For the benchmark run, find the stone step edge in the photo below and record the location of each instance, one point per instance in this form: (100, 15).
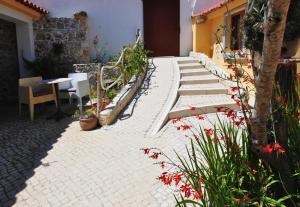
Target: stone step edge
(203, 91)
(185, 111)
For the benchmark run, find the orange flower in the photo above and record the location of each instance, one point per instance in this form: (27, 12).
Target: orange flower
(215, 140)
(209, 132)
(177, 178)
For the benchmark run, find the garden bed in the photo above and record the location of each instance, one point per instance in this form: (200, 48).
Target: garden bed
(111, 112)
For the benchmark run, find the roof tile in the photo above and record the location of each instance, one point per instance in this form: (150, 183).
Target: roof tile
(33, 6)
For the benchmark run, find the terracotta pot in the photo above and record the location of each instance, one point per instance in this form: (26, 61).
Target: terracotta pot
(88, 124)
(292, 47)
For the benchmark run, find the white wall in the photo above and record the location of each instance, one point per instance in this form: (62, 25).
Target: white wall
(24, 32)
(116, 21)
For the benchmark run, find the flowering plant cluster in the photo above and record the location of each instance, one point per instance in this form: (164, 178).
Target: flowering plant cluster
(218, 169)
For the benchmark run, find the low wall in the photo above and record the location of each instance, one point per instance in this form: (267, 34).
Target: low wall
(110, 114)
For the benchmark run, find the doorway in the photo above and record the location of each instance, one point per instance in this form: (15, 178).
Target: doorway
(9, 61)
(162, 27)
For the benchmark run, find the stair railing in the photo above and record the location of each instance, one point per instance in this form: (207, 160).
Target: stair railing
(101, 81)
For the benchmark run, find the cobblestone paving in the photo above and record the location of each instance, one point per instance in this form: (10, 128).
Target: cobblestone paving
(43, 163)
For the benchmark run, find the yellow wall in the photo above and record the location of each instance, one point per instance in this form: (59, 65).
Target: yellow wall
(204, 34)
(202, 38)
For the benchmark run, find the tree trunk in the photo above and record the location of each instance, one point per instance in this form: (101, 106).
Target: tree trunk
(275, 23)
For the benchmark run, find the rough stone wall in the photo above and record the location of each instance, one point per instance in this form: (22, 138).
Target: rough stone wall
(63, 37)
(9, 64)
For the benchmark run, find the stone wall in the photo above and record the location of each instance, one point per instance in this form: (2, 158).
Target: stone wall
(64, 38)
(9, 64)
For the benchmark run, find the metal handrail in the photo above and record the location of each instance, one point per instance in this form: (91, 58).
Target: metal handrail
(116, 65)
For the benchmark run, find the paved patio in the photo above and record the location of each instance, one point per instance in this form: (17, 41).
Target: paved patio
(44, 163)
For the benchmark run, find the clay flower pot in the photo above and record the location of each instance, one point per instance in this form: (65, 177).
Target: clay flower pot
(89, 123)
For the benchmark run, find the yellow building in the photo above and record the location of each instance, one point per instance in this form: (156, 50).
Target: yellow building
(218, 33)
(219, 29)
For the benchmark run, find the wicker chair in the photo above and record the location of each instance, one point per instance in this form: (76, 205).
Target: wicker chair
(31, 92)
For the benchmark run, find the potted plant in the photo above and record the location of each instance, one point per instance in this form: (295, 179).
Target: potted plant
(81, 16)
(88, 121)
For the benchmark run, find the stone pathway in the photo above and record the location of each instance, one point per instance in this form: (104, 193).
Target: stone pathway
(44, 163)
(48, 164)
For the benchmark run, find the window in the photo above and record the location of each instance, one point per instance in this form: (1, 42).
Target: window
(236, 41)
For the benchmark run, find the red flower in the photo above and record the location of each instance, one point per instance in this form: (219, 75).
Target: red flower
(215, 140)
(237, 123)
(200, 181)
(267, 149)
(198, 195)
(277, 147)
(155, 155)
(234, 88)
(254, 172)
(200, 117)
(162, 164)
(177, 178)
(192, 108)
(146, 151)
(281, 151)
(238, 200)
(174, 121)
(273, 148)
(209, 132)
(219, 109)
(233, 96)
(186, 189)
(178, 128)
(165, 178)
(186, 127)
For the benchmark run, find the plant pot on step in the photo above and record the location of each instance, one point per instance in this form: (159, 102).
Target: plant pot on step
(88, 123)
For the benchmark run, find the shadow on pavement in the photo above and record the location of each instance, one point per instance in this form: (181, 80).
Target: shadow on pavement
(23, 144)
(142, 90)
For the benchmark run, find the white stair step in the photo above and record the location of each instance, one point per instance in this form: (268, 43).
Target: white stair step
(204, 79)
(190, 66)
(203, 104)
(202, 89)
(194, 72)
(187, 61)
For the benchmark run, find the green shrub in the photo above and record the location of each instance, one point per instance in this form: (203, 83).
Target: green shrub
(135, 62)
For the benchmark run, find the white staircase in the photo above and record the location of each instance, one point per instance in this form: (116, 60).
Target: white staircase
(200, 91)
